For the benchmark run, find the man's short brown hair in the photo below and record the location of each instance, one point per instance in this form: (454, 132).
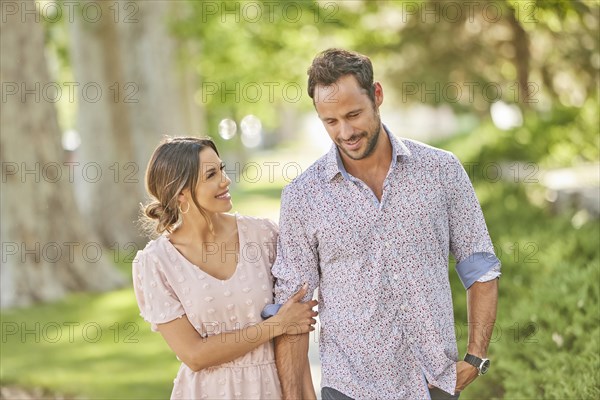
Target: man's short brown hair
(332, 64)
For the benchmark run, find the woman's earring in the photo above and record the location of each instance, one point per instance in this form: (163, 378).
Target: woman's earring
(186, 210)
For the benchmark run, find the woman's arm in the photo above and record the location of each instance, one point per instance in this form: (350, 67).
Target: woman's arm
(198, 353)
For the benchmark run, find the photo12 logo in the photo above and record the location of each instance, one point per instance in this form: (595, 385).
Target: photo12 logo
(467, 92)
(66, 252)
(67, 331)
(466, 11)
(53, 92)
(251, 92)
(69, 171)
(54, 11)
(269, 11)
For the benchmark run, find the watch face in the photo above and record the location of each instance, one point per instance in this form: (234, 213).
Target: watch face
(485, 365)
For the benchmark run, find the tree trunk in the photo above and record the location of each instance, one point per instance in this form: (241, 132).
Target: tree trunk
(110, 200)
(131, 55)
(520, 41)
(152, 58)
(46, 251)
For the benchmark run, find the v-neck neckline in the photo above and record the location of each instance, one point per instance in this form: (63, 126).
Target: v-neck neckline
(199, 268)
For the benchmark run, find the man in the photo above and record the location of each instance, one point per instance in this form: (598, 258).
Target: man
(371, 225)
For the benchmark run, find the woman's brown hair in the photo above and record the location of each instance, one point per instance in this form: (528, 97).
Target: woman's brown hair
(173, 167)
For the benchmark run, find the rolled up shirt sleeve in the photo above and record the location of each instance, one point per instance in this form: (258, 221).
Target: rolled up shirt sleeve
(478, 267)
(470, 241)
(297, 260)
(491, 274)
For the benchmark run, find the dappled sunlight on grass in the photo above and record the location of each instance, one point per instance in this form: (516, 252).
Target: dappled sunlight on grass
(94, 345)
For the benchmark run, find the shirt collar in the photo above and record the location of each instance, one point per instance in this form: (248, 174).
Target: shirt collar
(334, 164)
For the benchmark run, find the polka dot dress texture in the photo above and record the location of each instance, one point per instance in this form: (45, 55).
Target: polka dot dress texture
(167, 286)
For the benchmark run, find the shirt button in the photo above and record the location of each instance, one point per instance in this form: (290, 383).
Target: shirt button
(403, 307)
(396, 277)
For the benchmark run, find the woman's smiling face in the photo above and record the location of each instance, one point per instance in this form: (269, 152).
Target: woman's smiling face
(212, 188)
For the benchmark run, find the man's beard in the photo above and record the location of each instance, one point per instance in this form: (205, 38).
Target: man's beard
(371, 143)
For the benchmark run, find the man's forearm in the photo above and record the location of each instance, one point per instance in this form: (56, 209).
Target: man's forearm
(482, 300)
(291, 357)
(308, 389)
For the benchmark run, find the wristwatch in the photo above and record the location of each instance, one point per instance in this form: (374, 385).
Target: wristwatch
(482, 365)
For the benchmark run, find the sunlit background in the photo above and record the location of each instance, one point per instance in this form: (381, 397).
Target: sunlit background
(90, 87)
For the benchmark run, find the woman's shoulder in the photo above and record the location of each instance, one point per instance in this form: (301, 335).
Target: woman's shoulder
(257, 223)
(152, 252)
(253, 220)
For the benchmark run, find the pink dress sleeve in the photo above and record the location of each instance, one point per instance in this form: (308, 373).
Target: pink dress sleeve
(157, 301)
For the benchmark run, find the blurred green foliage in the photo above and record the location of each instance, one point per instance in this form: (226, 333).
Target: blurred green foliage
(251, 58)
(548, 49)
(546, 343)
(543, 56)
(565, 137)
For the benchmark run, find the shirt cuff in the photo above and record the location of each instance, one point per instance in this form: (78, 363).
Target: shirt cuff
(270, 310)
(475, 266)
(491, 274)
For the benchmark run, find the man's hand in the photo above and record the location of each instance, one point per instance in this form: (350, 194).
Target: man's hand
(465, 374)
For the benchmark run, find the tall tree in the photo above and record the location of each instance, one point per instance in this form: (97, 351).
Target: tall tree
(152, 61)
(253, 61)
(129, 53)
(103, 123)
(46, 249)
(533, 51)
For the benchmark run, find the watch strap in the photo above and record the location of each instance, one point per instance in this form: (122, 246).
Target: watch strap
(473, 360)
(482, 365)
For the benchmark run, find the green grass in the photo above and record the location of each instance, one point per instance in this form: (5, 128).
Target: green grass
(92, 345)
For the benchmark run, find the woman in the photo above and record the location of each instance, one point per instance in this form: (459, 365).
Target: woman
(203, 282)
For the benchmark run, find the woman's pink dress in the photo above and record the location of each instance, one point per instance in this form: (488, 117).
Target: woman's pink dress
(167, 286)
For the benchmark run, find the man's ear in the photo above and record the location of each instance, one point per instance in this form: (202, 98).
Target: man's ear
(378, 93)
